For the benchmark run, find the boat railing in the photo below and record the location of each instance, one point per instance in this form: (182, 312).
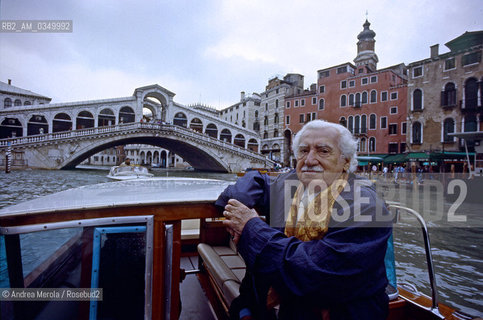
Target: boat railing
(429, 258)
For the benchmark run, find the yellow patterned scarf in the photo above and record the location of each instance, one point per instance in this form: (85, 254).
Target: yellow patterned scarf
(313, 223)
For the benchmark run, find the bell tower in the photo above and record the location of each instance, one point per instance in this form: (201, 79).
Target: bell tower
(366, 55)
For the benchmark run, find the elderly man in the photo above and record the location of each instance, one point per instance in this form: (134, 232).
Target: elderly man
(322, 256)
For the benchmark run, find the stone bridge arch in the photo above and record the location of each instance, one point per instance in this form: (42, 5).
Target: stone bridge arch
(205, 159)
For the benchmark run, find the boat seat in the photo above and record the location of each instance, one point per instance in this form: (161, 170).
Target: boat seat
(225, 266)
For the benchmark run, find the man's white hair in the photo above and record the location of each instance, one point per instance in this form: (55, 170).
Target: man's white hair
(347, 142)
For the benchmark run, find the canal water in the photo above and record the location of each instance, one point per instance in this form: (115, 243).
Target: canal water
(457, 252)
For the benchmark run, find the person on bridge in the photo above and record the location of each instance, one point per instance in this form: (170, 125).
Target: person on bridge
(126, 163)
(322, 254)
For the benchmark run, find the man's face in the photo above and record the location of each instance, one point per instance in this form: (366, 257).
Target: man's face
(319, 156)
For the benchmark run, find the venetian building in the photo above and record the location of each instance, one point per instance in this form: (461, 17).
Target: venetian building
(445, 96)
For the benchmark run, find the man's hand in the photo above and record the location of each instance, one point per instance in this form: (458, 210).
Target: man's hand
(237, 215)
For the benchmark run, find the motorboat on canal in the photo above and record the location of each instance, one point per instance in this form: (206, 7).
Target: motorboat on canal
(129, 173)
(142, 242)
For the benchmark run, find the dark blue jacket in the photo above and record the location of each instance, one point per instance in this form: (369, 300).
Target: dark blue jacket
(343, 272)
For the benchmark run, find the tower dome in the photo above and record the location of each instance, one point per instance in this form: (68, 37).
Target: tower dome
(366, 34)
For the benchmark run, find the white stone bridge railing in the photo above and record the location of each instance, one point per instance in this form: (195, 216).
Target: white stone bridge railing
(127, 128)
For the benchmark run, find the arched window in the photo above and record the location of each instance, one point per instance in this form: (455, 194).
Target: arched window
(372, 121)
(275, 120)
(7, 102)
(343, 100)
(343, 122)
(321, 104)
(351, 124)
(275, 133)
(362, 145)
(37, 125)
(351, 99)
(357, 123)
(106, 118)
(448, 127)
(252, 145)
(17, 103)
(471, 93)
(196, 125)
(84, 119)
(417, 133)
(372, 144)
(373, 96)
(225, 135)
(27, 103)
(417, 100)
(212, 130)
(239, 140)
(363, 123)
(61, 122)
(358, 99)
(256, 126)
(265, 135)
(276, 103)
(448, 96)
(364, 97)
(10, 128)
(265, 121)
(180, 120)
(126, 115)
(256, 113)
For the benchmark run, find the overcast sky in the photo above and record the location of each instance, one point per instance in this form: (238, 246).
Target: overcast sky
(209, 51)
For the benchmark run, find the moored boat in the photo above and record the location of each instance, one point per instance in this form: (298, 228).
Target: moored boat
(129, 173)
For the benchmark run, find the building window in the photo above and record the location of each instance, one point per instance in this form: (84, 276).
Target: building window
(362, 145)
(265, 135)
(321, 104)
(343, 122)
(384, 96)
(314, 115)
(372, 122)
(448, 127)
(276, 103)
(7, 102)
(302, 102)
(322, 89)
(266, 106)
(324, 74)
(301, 119)
(393, 110)
(357, 124)
(277, 91)
(393, 128)
(373, 96)
(417, 133)
(471, 94)
(352, 84)
(358, 100)
(471, 58)
(392, 147)
(363, 123)
(341, 69)
(364, 97)
(374, 79)
(351, 99)
(418, 72)
(470, 124)
(265, 121)
(308, 119)
(417, 100)
(287, 120)
(364, 81)
(296, 103)
(27, 103)
(343, 84)
(288, 105)
(383, 122)
(448, 96)
(314, 100)
(404, 128)
(275, 119)
(449, 64)
(403, 147)
(351, 124)
(275, 133)
(393, 95)
(343, 100)
(17, 103)
(256, 113)
(372, 144)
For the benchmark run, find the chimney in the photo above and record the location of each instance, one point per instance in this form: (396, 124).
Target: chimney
(242, 96)
(9, 82)
(434, 51)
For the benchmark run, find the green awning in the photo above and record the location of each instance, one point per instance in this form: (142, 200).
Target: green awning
(449, 155)
(418, 156)
(395, 158)
(363, 163)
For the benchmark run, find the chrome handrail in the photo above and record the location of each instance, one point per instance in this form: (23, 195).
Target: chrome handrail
(429, 258)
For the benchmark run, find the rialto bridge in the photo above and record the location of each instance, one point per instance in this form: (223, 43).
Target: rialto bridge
(62, 135)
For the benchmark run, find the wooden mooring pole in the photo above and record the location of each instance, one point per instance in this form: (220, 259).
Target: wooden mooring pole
(8, 158)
